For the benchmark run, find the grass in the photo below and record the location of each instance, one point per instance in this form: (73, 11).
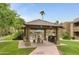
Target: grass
(72, 48)
(11, 48)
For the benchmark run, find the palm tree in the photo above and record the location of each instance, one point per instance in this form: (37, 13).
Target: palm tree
(42, 14)
(57, 22)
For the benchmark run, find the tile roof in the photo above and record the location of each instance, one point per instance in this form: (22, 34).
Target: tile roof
(41, 22)
(76, 20)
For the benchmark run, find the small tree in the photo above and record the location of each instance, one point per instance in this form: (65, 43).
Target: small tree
(10, 21)
(66, 36)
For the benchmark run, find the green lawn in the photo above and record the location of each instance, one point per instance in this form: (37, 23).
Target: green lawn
(72, 48)
(11, 48)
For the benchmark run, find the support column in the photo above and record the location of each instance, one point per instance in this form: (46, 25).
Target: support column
(24, 34)
(71, 29)
(27, 34)
(57, 38)
(45, 34)
(27, 43)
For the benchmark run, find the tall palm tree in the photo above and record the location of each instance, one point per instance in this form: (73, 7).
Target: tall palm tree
(57, 22)
(42, 14)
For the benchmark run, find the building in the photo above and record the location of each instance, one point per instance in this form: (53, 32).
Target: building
(72, 28)
(75, 27)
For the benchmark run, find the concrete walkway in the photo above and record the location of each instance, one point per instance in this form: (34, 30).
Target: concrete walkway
(46, 48)
(22, 45)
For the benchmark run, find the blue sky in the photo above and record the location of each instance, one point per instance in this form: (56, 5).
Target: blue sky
(62, 12)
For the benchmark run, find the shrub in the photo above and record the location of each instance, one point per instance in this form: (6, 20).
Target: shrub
(14, 36)
(66, 35)
(18, 36)
(8, 37)
(73, 38)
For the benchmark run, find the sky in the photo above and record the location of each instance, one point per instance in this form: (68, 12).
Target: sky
(53, 11)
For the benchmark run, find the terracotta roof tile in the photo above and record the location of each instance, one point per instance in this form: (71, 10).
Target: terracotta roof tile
(41, 22)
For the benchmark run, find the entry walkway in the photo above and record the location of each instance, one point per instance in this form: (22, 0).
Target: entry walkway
(46, 48)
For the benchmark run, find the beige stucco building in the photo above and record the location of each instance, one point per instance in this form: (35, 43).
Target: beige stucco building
(72, 28)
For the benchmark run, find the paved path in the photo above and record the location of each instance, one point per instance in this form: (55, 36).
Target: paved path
(46, 48)
(22, 45)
